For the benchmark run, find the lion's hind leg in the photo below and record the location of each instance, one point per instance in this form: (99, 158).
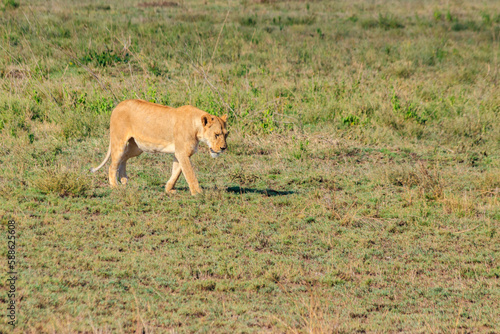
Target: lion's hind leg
(131, 150)
(122, 172)
(117, 155)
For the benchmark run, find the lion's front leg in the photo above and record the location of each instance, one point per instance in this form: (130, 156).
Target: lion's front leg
(187, 170)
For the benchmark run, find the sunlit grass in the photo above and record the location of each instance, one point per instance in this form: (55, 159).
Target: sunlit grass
(360, 190)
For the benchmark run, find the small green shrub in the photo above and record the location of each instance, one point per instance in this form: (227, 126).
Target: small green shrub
(385, 22)
(486, 19)
(11, 3)
(301, 152)
(100, 106)
(411, 113)
(449, 17)
(396, 104)
(350, 120)
(240, 70)
(14, 39)
(438, 15)
(158, 70)
(248, 21)
(353, 18)
(266, 122)
(389, 22)
(64, 184)
(294, 20)
(469, 25)
(105, 58)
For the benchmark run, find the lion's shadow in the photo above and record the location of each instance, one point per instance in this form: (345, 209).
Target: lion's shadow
(267, 192)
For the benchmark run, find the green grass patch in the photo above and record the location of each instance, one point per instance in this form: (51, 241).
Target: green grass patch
(359, 192)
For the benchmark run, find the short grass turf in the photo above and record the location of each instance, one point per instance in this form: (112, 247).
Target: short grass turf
(359, 193)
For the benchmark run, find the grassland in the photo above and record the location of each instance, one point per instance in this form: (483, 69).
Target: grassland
(360, 192)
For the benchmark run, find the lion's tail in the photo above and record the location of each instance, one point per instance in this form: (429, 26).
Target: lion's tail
(93, 170)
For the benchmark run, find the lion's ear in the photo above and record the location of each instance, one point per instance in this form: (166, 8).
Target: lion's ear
(224, 118)
(205, 120)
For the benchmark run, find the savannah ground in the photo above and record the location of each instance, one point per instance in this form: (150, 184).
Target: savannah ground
(359, 193)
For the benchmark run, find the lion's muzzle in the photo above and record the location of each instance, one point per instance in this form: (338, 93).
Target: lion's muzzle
(215, 154)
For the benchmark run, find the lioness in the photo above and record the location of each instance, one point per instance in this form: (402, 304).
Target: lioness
(138, 126)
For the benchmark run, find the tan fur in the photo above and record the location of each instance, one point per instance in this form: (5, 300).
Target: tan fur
(138, 126)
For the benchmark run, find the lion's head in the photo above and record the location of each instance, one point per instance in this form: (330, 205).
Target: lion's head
(215, 133)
